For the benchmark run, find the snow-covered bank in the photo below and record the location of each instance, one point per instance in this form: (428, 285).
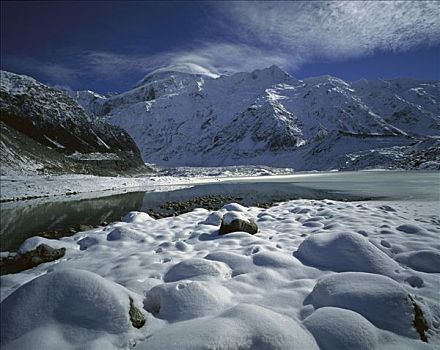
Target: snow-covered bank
(318, 274)
(28, 187)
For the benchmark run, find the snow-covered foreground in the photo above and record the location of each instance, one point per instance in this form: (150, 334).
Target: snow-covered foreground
(318, 274)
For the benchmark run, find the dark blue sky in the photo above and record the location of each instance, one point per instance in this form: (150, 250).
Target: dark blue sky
(109, 46)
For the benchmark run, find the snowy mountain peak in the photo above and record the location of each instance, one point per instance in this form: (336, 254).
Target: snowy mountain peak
(326, 79)
(273, 72)
(269, 117)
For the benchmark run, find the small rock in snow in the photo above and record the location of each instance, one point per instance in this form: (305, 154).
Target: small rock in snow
(408, 228)
(43, 253)
(415, 281)
(137, 319)
(237, 222)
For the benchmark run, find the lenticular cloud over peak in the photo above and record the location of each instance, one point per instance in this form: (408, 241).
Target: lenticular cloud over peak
(185, 67)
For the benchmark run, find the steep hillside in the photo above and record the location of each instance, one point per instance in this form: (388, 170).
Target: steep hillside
(46, 131)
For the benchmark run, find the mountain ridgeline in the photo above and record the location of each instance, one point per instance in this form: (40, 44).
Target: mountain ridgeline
(267, 117)
(43, 130)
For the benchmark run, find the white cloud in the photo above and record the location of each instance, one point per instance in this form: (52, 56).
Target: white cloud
(290, 34)
(258, 34)
(211, 58)
(57, 72)
(305, 31)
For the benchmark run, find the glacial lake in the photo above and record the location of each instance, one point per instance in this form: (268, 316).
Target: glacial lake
(24, 219)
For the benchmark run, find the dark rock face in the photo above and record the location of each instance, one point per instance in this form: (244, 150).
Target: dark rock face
(419, 321)
(136, 317)
(50, 129)
(42, 254)
(239, 225)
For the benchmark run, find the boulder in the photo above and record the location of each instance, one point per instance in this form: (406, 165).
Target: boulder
(137, 318)
(237, 222)
(43, 253)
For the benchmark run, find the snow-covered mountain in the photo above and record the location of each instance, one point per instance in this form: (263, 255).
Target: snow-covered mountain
(44, 130)
(269, 117)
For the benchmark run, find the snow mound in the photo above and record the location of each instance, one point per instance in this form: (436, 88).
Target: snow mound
(87, 242)
(234, 215)
(44, 313)
(238, 263)
(335, 328)
(122, 233)
(422, 260)
(275, 260)
(342, 252)
(186, 300)
(214, 219)
(379, 299)
(241, 327)
(136, 217)
(197, 269)
(234, 207)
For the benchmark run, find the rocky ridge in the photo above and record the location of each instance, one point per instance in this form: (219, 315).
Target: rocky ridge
(43, 130)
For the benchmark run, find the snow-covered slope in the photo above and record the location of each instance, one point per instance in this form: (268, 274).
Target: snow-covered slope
(269, 117)
(409, 104)
(44, 130)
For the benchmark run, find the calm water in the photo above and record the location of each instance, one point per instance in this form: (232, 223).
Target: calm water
(25, 219)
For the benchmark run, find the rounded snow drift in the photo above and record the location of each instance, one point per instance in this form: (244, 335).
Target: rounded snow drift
(78, 302)
(137, 217)
(186, 300)
(197, 269)
(234, 207)
(335, 328)
(275, 260)
(422, 260)
(214, 219)
(343, 252)
(238, 263)
(241, 327)
(87, 242)
(379, 299)
(123, 234)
